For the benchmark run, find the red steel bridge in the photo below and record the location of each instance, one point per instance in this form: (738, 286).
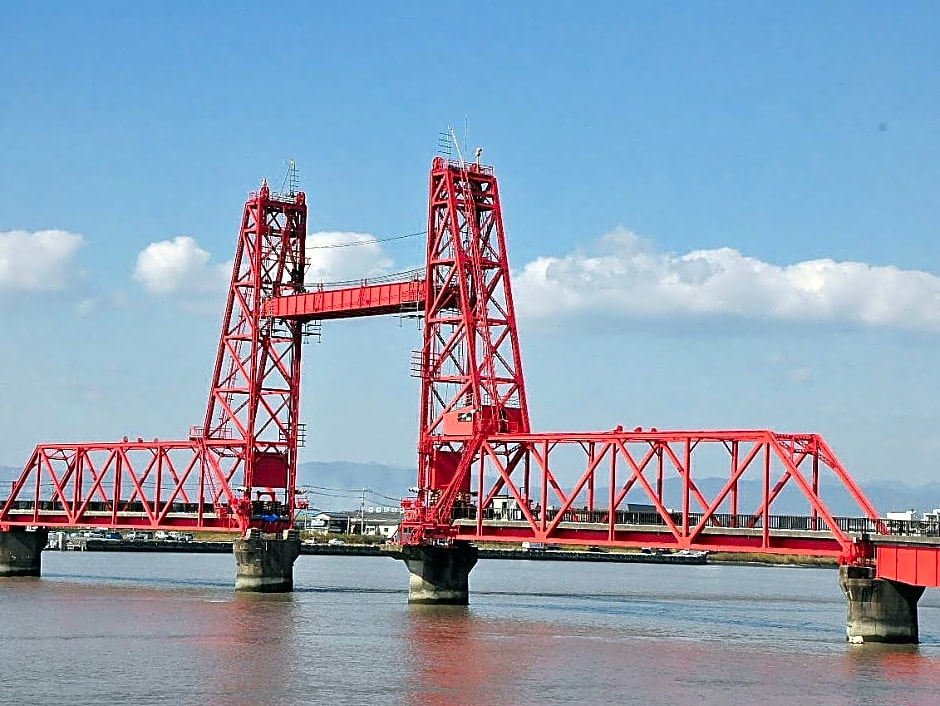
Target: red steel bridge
(483, 473)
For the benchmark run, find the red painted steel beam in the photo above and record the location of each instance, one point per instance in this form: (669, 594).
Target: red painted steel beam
(350, 302)
(549, 481)
(783, 543)
(153, 484)
(914, 564)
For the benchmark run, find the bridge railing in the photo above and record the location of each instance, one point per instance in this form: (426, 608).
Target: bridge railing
(802, 523)
(128, 508)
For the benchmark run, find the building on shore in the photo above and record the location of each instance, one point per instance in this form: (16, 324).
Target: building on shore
(372, 521)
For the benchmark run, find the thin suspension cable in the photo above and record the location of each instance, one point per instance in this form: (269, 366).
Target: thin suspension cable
(355, 243)
(403, 276)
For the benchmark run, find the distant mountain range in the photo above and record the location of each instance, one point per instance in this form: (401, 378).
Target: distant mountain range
(338, 485)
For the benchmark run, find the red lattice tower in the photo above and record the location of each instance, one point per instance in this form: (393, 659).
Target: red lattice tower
(255, 393)
(470, 364)
(236, 471)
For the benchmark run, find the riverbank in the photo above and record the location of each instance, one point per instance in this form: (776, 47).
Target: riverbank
(758, 559)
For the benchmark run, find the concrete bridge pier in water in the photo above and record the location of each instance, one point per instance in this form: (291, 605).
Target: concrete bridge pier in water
(439, 574)
(879, 610)
(265, 562)
(21, 551)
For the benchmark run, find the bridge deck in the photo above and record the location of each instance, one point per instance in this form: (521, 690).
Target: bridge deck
(350, 302)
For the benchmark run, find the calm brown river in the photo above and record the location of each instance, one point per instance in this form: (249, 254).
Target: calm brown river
(169, 629)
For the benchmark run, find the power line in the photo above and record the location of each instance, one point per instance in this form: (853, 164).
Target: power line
(355, 243)
(403, 276)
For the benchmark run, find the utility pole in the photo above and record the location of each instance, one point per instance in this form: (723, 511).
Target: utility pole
(362, 510)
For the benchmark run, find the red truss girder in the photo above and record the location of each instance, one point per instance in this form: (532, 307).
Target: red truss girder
(532, 487)
(350, 302)
(913, 563)
(142, 484)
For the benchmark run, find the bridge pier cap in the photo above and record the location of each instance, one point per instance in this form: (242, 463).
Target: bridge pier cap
(439, 574)
(21, 551)
(265, 563)
(879, 610)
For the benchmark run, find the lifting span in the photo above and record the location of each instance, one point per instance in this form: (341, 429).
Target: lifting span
(482, 473)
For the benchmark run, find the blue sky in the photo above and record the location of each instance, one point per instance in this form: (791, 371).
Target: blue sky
(720, 215)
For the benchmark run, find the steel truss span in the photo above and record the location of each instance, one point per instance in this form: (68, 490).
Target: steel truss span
(153, 485)
(644, 489)
(238, 469)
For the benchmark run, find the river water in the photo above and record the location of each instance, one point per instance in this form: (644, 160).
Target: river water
(103, 628)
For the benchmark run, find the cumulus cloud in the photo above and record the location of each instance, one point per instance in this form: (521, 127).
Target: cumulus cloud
(336, 255)
(628, 278)
(37, 261)
(179, 265)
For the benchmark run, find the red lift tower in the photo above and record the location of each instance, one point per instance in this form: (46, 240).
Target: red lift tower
(470, 365)
(237, 471)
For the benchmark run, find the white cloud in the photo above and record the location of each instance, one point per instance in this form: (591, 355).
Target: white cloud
(37, 261)
(798, 375)
(630, 279)
(336, 255)
(179, 265)
(86, 306)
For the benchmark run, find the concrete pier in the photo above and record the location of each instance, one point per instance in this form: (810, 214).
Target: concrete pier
(879, 610)
(21, 551)
(265, 563)
(439, 574)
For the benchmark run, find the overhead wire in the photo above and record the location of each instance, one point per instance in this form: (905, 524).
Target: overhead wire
(373, 241)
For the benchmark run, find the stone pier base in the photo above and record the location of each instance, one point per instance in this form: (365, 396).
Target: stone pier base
(21, 551)
(265, 563)
(879, 610)
(439, 574)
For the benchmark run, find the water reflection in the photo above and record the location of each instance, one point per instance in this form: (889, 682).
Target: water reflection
(256, 653)
(176, 632)
(456, 657)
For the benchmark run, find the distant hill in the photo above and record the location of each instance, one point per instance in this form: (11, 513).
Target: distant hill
(885, 496)
(332, 484)
(337, 485)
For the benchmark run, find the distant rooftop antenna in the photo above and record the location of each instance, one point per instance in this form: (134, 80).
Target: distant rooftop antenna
(291, 183)
(466, 133)
(444, 145)
(448, 142)
(453, 137)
